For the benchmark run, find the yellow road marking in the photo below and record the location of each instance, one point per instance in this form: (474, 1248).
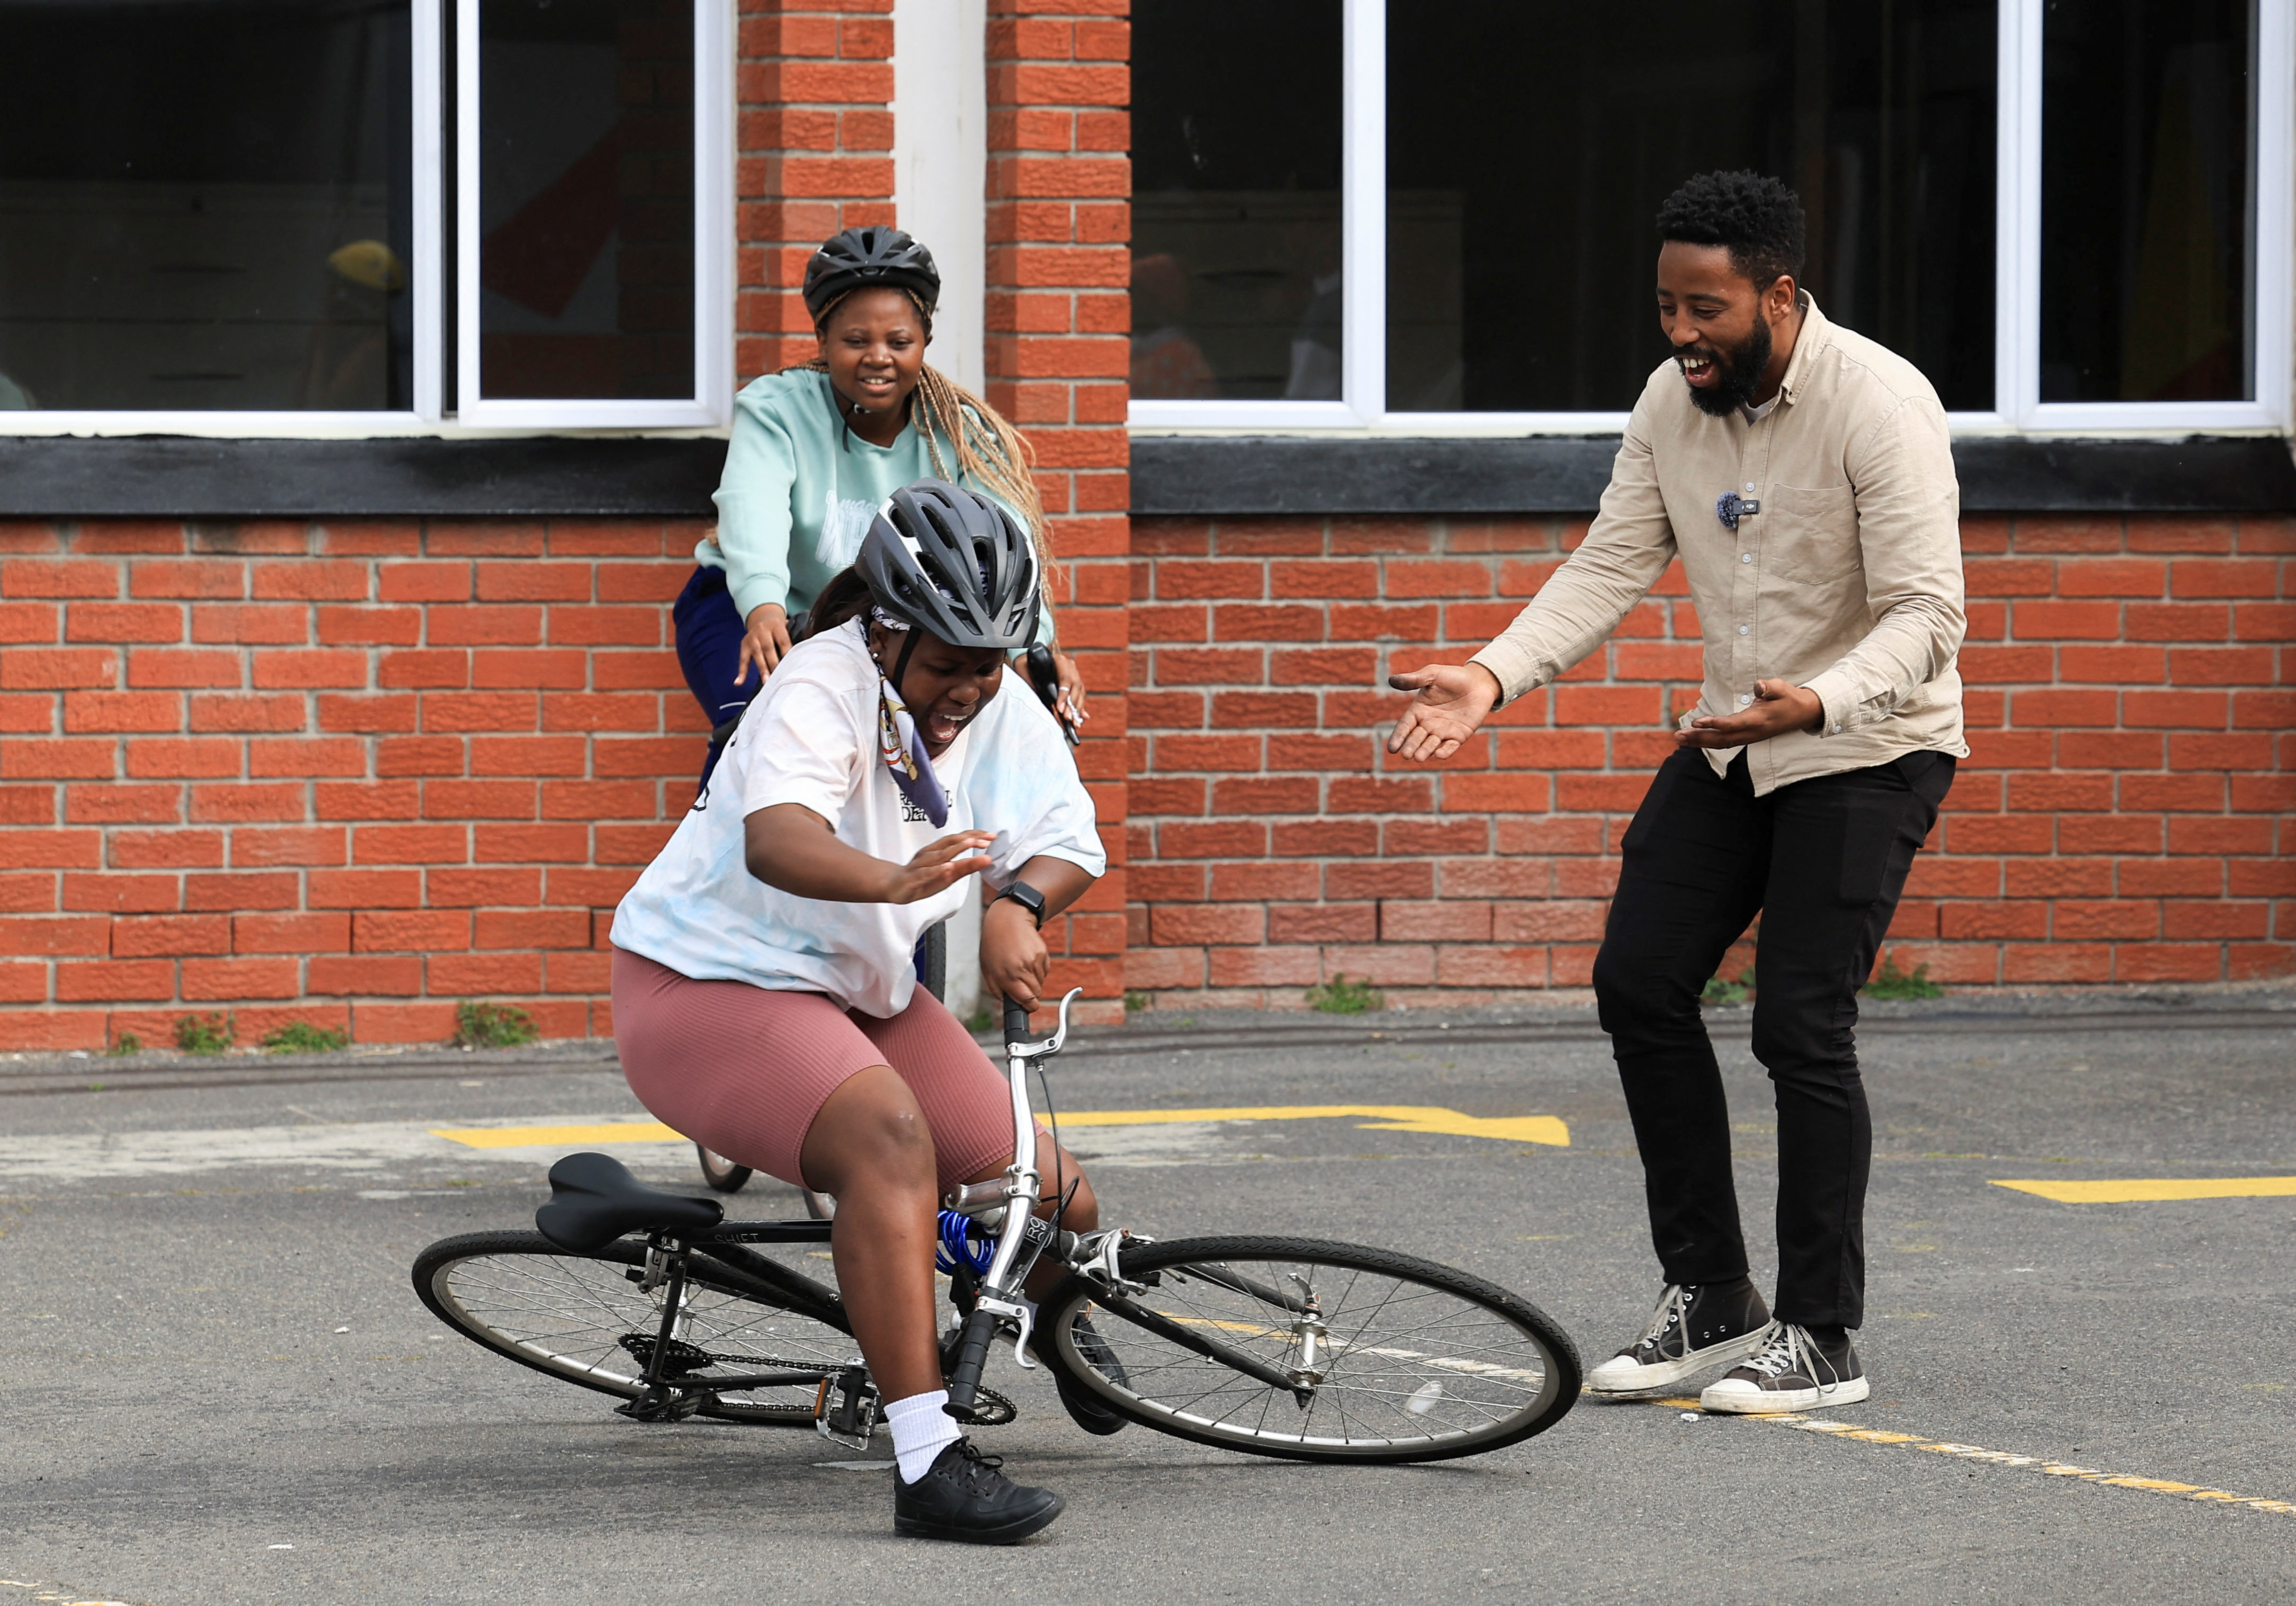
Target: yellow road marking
(1387, 1118)
(2132, 1190)
(2052, 1469)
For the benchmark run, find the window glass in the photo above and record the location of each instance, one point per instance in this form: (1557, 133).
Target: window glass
(1236, 205)
(1520, 245)
(2147, 201)
(586, 199)
(205, 204)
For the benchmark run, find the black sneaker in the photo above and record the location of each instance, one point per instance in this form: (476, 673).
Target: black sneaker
(1086, 1409)
(1694, 1329)
(963, 1496)
(1793, 1370)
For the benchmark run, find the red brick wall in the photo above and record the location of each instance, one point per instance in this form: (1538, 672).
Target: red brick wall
(1058, 315)
(343, 773)
(2124, 815)
(814, 84)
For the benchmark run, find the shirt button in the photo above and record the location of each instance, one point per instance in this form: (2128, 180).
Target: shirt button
(1745, 697)
(1745, 557)
(1745, 630)
(1750, 487)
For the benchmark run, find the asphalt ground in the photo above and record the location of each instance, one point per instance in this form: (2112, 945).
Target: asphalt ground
(213, 1355)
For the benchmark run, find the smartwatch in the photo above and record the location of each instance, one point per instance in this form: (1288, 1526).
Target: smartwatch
(1028, 897)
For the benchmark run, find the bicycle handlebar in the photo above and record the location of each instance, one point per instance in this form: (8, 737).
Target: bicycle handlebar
(1045, 677)
(1016, 1022)
(971, 1355)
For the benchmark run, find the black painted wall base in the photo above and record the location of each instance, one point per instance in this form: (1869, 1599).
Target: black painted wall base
(1561, 474)
(180, 476)
(152, 476)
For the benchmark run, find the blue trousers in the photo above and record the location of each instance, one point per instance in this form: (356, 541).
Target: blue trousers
(708, 629)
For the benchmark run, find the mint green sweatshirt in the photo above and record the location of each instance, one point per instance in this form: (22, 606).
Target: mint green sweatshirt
(800, 490)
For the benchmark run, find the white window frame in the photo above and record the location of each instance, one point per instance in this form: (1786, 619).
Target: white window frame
(432, 279)
(2017, 300)
(712, 400)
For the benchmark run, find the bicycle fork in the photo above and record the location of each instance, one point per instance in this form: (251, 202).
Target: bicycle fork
(1020, 1237)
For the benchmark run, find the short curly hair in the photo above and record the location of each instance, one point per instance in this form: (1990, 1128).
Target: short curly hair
(1755, 216)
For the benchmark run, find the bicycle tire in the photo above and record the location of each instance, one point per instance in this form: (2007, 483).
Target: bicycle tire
(581, 1345)
(722, 1174)
(1463, 1366)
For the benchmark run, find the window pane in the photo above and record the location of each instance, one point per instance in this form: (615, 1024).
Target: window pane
(205, 204)
(2147, 218)
(586, 198)
(1521, 249)
(1236, 205)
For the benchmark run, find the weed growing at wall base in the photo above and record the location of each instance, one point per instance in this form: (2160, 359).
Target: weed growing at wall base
(301, 1037)
(492, 1026)
(1340, 996)
(209, 1034)
(1889, 982)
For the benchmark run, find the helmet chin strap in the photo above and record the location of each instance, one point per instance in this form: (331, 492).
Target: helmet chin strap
(901, 662)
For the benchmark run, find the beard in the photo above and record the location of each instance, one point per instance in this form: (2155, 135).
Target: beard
(1739, 372)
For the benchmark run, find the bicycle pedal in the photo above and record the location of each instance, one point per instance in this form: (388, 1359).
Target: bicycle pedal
(845, 1409)
(673, 1407)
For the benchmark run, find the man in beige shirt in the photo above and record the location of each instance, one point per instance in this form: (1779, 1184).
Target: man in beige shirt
(1802, 473)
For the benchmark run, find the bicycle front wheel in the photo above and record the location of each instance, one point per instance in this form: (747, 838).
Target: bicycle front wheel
(1313, 1351)
(585, 1319)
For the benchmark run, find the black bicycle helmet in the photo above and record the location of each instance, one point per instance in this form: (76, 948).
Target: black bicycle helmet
(951, 562)
(860, 258)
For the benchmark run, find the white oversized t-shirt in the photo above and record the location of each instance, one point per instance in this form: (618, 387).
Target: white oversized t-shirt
(810, 738)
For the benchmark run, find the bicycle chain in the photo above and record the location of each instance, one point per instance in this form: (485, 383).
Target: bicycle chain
(990, 1408)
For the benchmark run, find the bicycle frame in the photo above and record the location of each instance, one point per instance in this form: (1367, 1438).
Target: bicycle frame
(1005, 1209)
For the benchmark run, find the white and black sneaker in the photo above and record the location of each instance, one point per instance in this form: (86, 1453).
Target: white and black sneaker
(1793, 1371)
(1694, 1329)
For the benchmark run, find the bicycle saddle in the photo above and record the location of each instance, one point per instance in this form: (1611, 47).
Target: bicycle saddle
(594, 1200)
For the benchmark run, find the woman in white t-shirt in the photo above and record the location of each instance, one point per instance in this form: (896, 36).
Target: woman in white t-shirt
(764, 1003)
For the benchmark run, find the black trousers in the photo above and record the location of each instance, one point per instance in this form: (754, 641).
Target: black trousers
(1823, 861)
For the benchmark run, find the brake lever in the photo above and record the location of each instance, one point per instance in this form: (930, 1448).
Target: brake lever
(1051, 1045)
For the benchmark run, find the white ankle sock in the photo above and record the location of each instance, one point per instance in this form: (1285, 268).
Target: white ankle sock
(922, 1431)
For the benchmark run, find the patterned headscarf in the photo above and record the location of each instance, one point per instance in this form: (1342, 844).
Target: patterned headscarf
(902, 745)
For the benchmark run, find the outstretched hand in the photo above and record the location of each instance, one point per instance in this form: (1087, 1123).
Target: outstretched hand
(938, 866)
(1778, 706)
(1453, 702)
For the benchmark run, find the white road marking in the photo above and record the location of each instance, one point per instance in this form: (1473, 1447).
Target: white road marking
(354, 1145)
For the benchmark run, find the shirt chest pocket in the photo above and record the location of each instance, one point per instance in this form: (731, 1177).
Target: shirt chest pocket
(1809, 535)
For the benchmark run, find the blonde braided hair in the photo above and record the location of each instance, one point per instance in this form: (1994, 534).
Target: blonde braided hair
(987, 449)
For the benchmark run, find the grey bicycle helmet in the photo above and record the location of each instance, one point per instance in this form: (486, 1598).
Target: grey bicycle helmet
(860, 258)
(952, 563)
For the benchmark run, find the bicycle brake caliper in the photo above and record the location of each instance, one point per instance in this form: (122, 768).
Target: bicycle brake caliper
(1101, 1263)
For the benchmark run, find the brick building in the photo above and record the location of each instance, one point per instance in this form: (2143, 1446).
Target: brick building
(351, 451)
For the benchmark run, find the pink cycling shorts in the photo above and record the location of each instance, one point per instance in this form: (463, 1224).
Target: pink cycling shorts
(743, 1071)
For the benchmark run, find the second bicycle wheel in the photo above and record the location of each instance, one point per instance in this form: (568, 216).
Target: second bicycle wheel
(1385, 1357)
(584, 1318)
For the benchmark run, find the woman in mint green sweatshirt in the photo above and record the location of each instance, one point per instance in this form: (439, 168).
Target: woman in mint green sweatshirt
(815, 451)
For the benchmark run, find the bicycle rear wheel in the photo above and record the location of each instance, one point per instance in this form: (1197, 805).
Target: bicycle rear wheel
(1399, 1359)
(569, 1316)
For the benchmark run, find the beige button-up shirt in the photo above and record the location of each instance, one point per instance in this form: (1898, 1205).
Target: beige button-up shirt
(1847, 581)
